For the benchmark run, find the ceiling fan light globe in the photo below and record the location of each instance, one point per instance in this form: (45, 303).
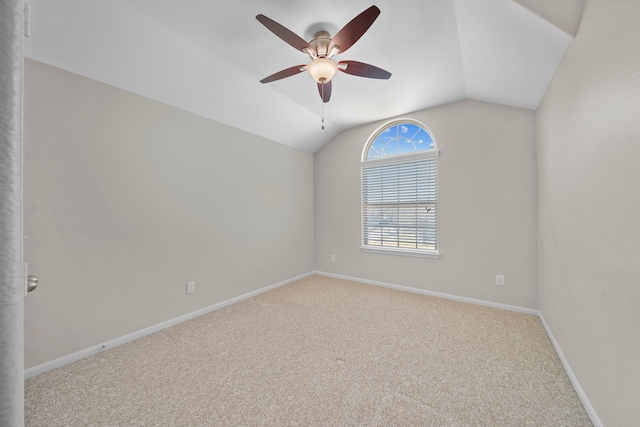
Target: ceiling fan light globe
(322, 69)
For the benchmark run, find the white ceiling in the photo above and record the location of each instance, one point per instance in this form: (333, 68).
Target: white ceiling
(207, 57)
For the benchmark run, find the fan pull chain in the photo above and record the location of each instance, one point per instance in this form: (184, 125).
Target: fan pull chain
(322, 100)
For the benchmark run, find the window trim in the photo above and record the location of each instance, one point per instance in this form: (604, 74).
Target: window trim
(400, 251)
(396, 159)
(402, 158)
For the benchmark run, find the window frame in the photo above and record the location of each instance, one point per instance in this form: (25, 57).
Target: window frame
(398, 159)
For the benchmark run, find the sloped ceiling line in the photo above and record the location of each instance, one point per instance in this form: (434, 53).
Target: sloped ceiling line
(565, 15)
(208, 57)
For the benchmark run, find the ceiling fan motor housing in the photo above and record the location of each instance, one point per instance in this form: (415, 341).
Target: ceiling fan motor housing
(320, 44)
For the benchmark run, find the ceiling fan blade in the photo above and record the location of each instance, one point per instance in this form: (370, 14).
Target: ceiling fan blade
(325, 91)
(284, 33)
(350, 33)
(291, 71)
(363, 70)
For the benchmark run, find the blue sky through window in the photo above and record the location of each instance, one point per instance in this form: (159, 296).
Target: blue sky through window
(401, 138)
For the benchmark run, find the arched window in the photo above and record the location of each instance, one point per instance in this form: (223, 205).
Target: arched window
(400, 190)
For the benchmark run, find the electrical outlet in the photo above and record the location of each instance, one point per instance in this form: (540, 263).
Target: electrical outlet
(191, 287)
(499, 280)
(333, 258)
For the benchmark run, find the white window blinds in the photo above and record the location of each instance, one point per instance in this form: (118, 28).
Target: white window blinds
(400, 204)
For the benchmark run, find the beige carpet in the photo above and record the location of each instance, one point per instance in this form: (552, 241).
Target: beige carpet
(321, 352)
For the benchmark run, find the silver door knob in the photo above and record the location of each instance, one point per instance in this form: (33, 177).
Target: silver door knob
(32, 282)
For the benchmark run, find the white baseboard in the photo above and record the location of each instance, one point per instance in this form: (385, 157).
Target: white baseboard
(434, 294)
(574, 381)
(47, 366)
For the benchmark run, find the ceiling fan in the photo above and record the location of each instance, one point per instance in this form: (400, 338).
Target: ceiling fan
(322, 51)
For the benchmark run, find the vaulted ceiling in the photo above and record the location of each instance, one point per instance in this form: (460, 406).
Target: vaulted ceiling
(208, 57)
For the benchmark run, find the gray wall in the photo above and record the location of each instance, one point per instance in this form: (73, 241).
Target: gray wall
(127, 199)
(487, 206)
(588, 181)
(11, 262)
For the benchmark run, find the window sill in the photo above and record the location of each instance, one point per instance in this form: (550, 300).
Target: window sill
(403, 252)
